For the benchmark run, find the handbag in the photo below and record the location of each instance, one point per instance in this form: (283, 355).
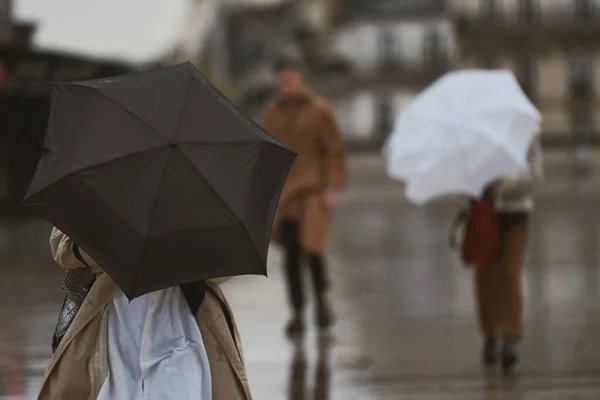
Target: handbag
(481, 241)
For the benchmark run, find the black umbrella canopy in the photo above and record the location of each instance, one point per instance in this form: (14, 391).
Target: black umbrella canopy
(159, 178)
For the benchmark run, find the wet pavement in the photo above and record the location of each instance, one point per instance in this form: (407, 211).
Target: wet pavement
(406, 327)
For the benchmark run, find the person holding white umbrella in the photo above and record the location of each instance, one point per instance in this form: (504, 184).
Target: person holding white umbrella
(498, 285)
(474, 133)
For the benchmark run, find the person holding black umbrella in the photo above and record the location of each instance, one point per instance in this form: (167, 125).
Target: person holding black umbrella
(157, 185)
(305, 122)
(85, 362)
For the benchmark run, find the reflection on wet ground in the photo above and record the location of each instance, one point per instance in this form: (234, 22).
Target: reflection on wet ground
(406, 327)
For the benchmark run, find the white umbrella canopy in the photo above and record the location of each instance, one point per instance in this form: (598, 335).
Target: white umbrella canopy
(467, 129)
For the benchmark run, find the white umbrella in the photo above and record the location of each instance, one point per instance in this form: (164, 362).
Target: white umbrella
(464, 131)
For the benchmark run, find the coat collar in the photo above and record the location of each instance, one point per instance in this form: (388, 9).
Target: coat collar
(98, 298)
(296, 99)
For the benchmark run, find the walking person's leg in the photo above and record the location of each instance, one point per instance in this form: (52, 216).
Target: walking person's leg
(510, 317)
(318, 268)
(487, 309)
(293, 276)
(314, 232)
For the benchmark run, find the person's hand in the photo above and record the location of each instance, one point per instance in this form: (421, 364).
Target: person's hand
(330, 198)
(491, 188)
(459, 221)
(452, 241)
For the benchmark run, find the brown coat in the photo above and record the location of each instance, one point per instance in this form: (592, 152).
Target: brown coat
(79, 366)
(306, 124)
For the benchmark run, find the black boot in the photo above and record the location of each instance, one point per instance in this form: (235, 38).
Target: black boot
(325, 319)
(295, 328)
(510, 356)
(490, 351)
(324, 315)
(293, 273)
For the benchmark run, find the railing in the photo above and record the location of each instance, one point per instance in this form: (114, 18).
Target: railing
(475, 33)
(350, 10)
(385, 79)
(28, 69)
(525, 11)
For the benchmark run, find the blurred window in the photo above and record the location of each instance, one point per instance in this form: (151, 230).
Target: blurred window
(386, 50)
(525, 69)
(582, 126)
(583, 9)
(5, 10)
(581, 75)
(385, 117)
(526, 10)
(3, 74)
(488, 62)
(6, 32)
(490, 9)
(432, 49)
(399, 7)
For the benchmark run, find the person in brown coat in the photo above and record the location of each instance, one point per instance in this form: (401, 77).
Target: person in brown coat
(304, 122)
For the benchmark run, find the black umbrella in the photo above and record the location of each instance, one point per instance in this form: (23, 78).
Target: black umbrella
(159, 178)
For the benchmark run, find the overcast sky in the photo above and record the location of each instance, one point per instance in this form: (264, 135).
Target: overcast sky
(135, 30)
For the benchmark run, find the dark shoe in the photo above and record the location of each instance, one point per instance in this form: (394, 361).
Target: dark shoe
(510, 357)
(295, 328)
(490, 351)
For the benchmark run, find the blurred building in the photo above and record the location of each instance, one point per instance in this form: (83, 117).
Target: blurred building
(393, 49)
(367, 57)
(252, 36)
(25, 76)
(234, 41)
(551, 45)
(202, 19)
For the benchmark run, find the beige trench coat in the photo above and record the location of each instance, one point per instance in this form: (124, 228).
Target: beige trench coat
(79, 365)
(306, 124)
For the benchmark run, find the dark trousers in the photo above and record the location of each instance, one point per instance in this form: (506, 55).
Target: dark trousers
(293, 268)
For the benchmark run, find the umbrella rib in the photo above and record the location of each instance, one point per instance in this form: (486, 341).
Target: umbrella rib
(232, 143)
(103, 163)
(139, 266)
(223, 202)
(122, 108)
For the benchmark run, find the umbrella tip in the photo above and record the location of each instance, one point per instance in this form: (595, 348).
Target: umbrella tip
(173, 144)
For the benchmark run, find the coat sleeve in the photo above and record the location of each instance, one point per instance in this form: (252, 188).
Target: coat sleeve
(238, 342)
(62, 252)
(332, 148)
(524, 182)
